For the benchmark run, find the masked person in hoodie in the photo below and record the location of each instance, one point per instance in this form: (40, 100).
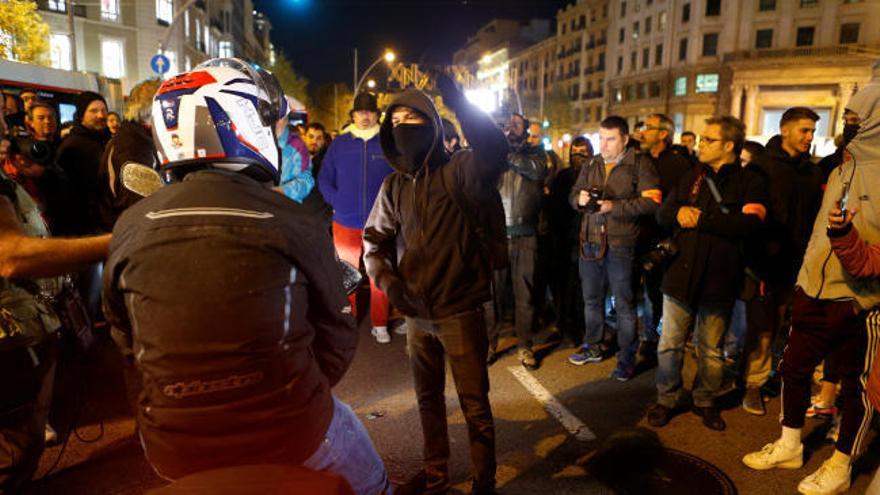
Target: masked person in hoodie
(522, 190)
(833, 311)
(351, 173)
(774, 256)
(423, 246)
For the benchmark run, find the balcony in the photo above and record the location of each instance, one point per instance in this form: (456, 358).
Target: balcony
(795, 54)
(78, 10)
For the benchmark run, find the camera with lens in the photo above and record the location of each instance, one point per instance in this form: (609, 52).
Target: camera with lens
(662, 253)
(592, 205)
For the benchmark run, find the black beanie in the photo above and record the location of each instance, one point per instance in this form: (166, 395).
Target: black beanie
(82, 101)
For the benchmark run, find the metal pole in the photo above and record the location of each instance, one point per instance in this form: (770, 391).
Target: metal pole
(335, 107)
(354, 81)
(359, 82)
(72, 28)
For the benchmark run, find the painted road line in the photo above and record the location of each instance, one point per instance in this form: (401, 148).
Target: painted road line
(568, 420)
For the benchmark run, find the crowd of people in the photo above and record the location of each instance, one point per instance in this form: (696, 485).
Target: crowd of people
(643, 251)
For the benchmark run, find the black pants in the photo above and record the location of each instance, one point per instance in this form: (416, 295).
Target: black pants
(820, 328)
(651, 281)
(25, 396)
(523, 260)
(461, 339)
(765, 316)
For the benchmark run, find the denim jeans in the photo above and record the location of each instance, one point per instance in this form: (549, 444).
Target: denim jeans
(617, 267)
(348, 451)
(709, 328)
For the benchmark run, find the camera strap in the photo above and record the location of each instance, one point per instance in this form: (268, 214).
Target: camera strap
(717, 195)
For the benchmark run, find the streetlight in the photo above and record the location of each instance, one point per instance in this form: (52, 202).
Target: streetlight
(388, 57)
(371, 83)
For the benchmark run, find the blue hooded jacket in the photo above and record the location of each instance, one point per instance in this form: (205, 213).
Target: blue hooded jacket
(352, 173)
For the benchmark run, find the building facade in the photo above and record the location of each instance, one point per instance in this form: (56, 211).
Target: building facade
(117, 39)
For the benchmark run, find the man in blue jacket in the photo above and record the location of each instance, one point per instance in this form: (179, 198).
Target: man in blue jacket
(351, 175)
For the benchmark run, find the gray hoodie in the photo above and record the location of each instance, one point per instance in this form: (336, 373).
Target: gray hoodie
(821, 275)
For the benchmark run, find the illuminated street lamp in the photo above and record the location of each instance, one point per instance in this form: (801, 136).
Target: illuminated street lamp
(371, 83)
(388, 57)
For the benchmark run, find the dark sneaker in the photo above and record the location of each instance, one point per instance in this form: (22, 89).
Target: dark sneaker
(753, 402)
(623, 373)
(586, 354)
(647, 354)
(711, 417)
(527, 358)
(659, 415)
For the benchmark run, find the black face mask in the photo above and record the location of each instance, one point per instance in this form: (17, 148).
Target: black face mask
(849, 132)
(413, 142)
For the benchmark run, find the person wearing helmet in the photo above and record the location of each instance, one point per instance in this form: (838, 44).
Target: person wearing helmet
(233, 296)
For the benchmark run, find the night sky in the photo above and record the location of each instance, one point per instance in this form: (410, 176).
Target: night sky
(318, 35)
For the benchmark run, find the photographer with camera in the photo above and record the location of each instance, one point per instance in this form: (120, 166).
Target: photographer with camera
(614, 191)
(710, 211)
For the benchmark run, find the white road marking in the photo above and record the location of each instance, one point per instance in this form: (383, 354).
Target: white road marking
(568, 420)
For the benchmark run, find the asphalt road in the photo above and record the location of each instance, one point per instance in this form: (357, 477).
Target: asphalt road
(536, 453)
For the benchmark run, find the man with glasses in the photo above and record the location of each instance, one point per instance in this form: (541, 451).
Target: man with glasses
(710, 210)
(657, 136)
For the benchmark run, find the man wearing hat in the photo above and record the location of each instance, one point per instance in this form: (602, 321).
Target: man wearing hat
(80, 154)
(351, 174)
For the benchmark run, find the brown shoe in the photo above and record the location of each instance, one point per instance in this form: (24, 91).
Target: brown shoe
(753, 402)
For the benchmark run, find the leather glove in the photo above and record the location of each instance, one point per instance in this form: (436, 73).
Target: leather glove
(402, 298)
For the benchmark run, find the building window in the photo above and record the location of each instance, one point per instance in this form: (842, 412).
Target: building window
(707, 83)
(601, 64)
(648, 25)
(764, 38)
(686, 12)
(618, 95)
(57, 5)
(646, 58)
(636, 30)
(622, 9)
(681, 86)
(172, 63)
(164, 11)
(643, 91)
(661, 21)
(809, 3)
(207, 47)
(713, 8)
(710, 44)
(767, 5)
(59, 48)
(112, 58)
(110, 10)
(619, 65)
(683, 49)
(633, 56)
(187, 63)
(654, 89)
(186, 24)
(805, 35)
(622, 35)
(225, 50)
(678, 119)
(658, 55)
(849, 33)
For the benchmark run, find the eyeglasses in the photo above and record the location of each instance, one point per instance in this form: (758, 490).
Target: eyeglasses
(709, 140)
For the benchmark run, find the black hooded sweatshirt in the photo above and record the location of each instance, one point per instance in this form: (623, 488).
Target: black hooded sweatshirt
(417, 232)
(80, 157)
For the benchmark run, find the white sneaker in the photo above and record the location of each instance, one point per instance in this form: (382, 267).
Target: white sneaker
(381, 334)
(831, 478)
(834, 431)
(775, 455)
(400, 329)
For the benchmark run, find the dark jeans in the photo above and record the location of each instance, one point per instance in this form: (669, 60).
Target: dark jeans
(818, 329)
(765, 315)
(653, 308)
(25, 396)
(523, 260)
(462, 339)
(617, 267)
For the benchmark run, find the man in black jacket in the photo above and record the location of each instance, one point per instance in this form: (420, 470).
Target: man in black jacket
(710, 210)
(774, 257)
(522, 191)
(233, 297)
(422, 245)
(657, 136)
(615, 191)
(80, 155)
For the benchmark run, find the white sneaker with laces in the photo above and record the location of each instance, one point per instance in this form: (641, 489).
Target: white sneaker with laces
(381, 334)
(831, 478)
(400, 329)
(775, 455)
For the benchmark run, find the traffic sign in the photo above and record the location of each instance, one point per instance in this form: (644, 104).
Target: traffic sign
(160, 63)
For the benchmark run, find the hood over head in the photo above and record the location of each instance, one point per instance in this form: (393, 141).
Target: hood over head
(866, 102)
(422, 103)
